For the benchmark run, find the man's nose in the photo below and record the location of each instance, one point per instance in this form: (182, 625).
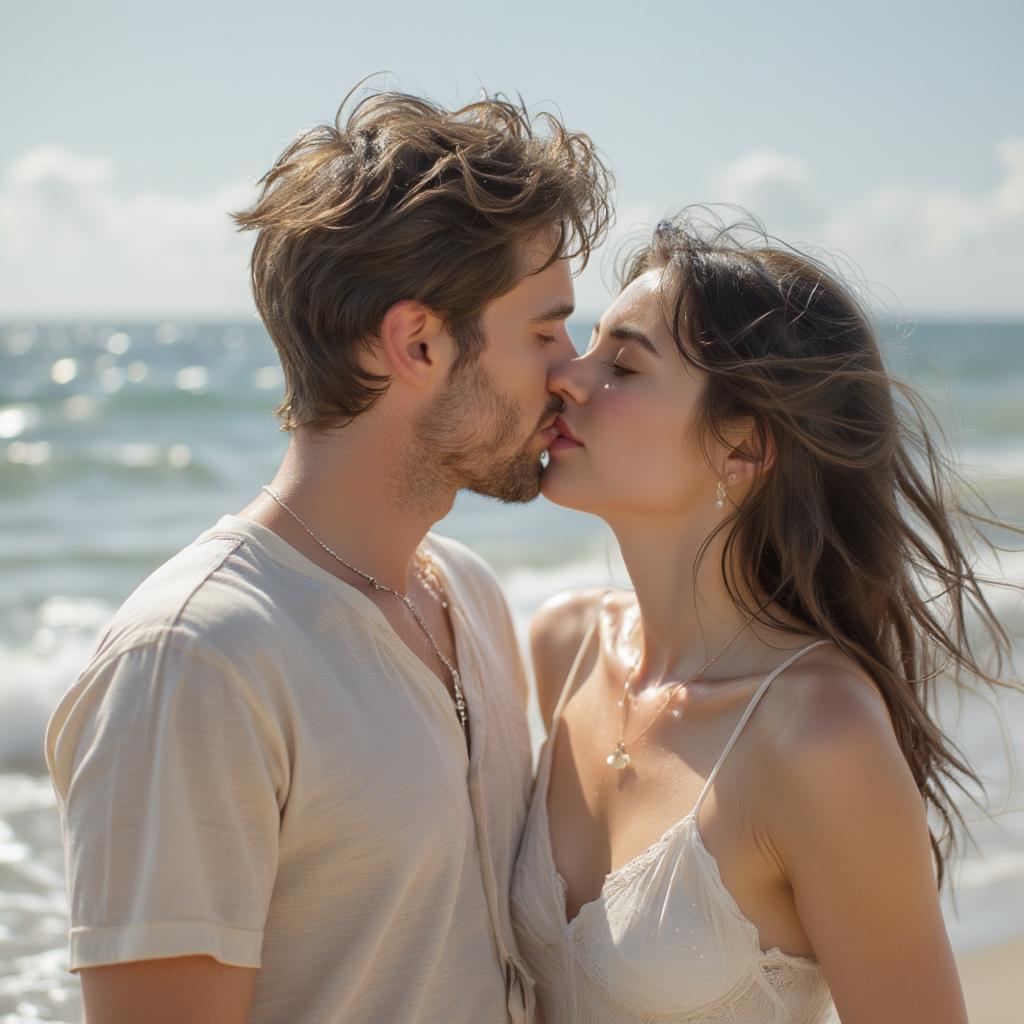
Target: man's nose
(567, 379)
(563, 347)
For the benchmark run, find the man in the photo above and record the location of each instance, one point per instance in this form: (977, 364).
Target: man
(301, 745)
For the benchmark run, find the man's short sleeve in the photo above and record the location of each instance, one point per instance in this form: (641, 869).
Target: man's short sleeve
(170, 778)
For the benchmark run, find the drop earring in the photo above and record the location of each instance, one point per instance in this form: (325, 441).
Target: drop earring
(720, 493)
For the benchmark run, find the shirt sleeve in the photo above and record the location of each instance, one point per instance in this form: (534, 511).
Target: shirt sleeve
(170, 779)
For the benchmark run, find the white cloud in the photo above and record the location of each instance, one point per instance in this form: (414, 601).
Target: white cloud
(767, 182)
(1008, 200)
(72, 243)
(930, 249)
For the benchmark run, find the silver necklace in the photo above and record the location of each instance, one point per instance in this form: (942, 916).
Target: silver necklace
(453, 672)
(619, 758)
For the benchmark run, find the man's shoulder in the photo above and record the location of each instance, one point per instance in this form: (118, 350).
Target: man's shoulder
(480, 598)
(467, 571)
(207, 592)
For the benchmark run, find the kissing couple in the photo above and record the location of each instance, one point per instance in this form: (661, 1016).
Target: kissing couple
(295, 777)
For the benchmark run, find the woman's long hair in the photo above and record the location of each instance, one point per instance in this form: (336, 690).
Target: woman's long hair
(858, 528)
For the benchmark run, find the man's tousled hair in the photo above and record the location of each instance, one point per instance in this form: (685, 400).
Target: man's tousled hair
(404, 200)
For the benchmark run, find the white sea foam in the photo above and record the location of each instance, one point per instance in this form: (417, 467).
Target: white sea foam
(268, 378)
(23, 793)
(34, 980)
(32, 680)
(993, 461)
(527, 588)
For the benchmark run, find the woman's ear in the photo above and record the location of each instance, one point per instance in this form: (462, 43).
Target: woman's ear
(752, 456)
(413, 345)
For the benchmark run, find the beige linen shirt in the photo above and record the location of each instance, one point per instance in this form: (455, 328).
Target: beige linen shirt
(254, 766)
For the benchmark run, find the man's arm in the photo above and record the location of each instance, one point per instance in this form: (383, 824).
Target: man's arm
(196, 989)
(170, 773)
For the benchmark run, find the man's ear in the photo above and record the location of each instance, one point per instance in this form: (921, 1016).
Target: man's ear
(413, 344)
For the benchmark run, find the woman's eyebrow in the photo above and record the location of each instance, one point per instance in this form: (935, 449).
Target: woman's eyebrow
(624, 332)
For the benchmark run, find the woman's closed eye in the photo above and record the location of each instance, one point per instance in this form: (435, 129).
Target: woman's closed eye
(617, 369)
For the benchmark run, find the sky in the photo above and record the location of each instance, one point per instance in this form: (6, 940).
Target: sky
(888, 135)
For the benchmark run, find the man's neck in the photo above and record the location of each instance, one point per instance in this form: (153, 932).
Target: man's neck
(349, 490)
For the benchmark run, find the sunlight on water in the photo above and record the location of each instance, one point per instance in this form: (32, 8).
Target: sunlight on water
(64, 371)
(79, 407)
(192, 378)
(15, 420)
(118, 343)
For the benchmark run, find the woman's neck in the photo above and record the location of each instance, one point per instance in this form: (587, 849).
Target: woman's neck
(686, 615)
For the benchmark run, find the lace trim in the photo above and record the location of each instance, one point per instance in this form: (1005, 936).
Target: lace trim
(754, 997)
(618, 879)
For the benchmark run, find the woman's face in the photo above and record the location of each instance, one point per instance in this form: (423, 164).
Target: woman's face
(629, 446)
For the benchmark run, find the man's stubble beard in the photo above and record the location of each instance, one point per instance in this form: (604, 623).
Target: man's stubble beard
(461, 438)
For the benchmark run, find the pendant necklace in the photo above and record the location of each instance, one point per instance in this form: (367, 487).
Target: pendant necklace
(434, 583)
(619, 758)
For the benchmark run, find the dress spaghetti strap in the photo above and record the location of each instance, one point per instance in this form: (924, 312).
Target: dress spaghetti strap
(754, 701)
(571, 679)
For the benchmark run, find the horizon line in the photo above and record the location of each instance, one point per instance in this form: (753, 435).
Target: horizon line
(586, 316)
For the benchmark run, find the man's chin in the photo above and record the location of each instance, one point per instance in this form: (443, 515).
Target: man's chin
(515, 483)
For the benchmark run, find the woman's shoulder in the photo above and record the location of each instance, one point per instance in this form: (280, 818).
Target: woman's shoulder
(828, 756)
(558, 629)
(824, 702)
(843, 821)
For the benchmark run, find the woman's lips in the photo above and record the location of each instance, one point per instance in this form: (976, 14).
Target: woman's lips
(565, 438)
(560, 444)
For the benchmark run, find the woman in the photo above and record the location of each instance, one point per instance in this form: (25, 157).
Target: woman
(729, 819)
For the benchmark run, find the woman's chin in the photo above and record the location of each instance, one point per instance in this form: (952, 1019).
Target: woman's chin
(558, 491)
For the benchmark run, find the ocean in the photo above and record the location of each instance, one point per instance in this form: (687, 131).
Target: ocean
(120, 442)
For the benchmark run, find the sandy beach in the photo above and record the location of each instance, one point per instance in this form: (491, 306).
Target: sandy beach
(993, 983)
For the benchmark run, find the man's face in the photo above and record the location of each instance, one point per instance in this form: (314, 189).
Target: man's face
(486, 430)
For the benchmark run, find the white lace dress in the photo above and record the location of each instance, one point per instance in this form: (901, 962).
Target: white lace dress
(664, 941)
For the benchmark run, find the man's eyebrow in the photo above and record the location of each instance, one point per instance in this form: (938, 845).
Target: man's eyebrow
(562, 312)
